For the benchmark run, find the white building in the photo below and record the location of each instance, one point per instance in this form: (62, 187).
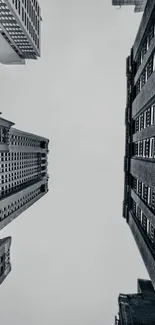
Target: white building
(19, 31)
(139, 4)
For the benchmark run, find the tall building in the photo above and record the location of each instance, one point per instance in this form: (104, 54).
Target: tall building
(19, 31)
(137, 309)
(139, 162)
(5, 265)
(139, 4)
(23, 170)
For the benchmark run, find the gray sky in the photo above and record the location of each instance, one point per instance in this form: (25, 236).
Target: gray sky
(72, 252)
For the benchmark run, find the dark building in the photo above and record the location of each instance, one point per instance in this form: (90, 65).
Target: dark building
(137, 309)
(139, 4)
(139, 162)
(23, 171)
(5, 265)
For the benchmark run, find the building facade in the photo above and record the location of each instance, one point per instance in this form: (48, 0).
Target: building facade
(23, 170)
(5, 265)
(19, 31)
(139, 162)
(137, 309)
(139, 4)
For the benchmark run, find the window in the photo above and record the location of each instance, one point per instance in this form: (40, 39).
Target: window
(142, 121)
(138, 213)
(137, 124)
(153, 61)
(22, 14)
(149, 196)
(139, 188)
(144, 221)
(150, 231)
(141, 148)
(149, 67)
(147, 147)
(144, 49)
(145, 193)
(148, 117)
(144, 144)
(19, 7)
(151, 149)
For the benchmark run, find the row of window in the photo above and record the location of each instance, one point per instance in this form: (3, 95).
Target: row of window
(4, 156)
(146, 73)
(24, 141)
(17, 186)
(20, 164)
(146, 43)
(144, 148)
(144, 222)
(15, 205)
(30, 27)
(145, 119)
(146, 193)
(28, 4)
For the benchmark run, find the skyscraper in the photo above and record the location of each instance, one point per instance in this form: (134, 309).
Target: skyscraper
(23, 170)
(139, 162)
(137, 309)
(139, 4)
(19, 31)
(5, 265)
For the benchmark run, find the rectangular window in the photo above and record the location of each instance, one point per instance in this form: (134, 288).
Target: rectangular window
(153, 61)
(145, 193)
(144, 144)
(144, 222)
(144, 49)
(147, 148)
(22, 14)
(149, 196)
(138, 87)
(138, 148)
(142, 121)
(149, 67)
(140, 188)
(19, 7)
(152, 114)
(141, 148)
(137, 124)
(148, 117)
(139, 214)
(143, 79)
(151, 151)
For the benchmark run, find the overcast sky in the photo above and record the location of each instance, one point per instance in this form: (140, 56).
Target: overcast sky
(72, 252)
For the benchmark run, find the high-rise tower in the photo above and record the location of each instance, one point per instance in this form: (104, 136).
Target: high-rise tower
(19, 31)
(137, 308)
(23, 170)
(139, 163)
(5, 265)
